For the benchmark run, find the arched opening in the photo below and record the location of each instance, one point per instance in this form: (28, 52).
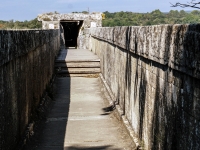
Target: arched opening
(71, 30)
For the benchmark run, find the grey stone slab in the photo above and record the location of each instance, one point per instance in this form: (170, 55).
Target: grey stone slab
(78, 65)
(76, 120)
(75, 55)
(80, 70)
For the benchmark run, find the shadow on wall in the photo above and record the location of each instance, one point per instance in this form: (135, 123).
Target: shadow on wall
(140, 81)
(56, 120)
(174, 120)
(26, 68)
(128, 70)
(162, 82)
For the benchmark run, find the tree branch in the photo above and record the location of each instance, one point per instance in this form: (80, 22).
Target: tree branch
(192, 4)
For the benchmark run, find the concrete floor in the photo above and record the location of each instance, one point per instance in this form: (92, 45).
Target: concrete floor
(76, 120)
(76, 55)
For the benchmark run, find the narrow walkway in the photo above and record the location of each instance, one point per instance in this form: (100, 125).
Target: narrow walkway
(77, 120)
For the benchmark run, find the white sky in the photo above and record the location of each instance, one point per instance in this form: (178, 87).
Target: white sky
(29, 9)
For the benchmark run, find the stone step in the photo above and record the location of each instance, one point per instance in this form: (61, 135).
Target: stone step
(79, 71)
(78, 59)
(94, 75)
(78, 65)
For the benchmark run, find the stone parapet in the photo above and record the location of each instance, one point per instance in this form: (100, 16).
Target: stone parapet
(54, 19)
(16, 43)
(153, 73)
(26, 68)
(176, 46)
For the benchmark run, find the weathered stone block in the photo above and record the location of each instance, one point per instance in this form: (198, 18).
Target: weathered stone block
(25, 69)
(164, 79)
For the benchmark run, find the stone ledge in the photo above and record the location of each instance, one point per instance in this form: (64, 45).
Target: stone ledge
(176, 45)
(15, 43)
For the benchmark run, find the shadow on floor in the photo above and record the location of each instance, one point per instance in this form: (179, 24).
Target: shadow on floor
(49, 132)
(108, 147)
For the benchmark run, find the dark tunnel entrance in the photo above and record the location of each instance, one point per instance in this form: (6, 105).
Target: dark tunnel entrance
(71, 31)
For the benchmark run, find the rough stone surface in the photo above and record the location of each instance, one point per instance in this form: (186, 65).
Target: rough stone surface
(176, 46)
(26, 67)
(153, 72)
(54, 19)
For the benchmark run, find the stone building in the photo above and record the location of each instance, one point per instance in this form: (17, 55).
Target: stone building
(71, 25)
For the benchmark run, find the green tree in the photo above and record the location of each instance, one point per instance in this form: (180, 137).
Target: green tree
(11, 24)
(155, 17)
(195, 12)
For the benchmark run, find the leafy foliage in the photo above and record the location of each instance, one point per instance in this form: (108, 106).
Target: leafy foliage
(11, 24)
(153, 18)
(122, 19)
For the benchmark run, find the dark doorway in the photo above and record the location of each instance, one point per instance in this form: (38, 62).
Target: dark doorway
(71, 31)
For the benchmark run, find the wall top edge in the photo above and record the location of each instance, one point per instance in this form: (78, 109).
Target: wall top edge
(69, 16)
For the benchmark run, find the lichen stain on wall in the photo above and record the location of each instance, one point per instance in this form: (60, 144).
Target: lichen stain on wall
(154, 72)
(26, 67)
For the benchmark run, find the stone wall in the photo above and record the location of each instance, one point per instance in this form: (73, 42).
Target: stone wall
(52, 20)
(154, 75)
(26, 67)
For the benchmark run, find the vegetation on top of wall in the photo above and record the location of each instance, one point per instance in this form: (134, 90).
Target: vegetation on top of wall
(11, 24)
(153, 18)
(46, 19)
(52, 13)
(84, 12)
